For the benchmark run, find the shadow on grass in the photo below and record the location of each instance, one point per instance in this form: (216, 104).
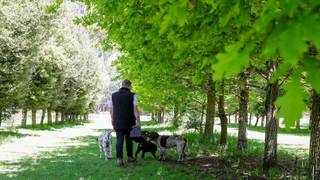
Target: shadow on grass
(83, 162)
(55, 126)
(293, 131)
(6, 135)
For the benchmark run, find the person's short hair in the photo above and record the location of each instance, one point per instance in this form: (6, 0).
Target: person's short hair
(126, 83)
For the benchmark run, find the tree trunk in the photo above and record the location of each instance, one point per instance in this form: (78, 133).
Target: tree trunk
(49, 116)
(272, 123)
(34, 117)
(152, 116)
(202, 115)
(223, 116)
(162, 115)
(159, 116)
(243, 111)
(236, 118)
(62, 116)
(24, 118)
(262, 121)
(57, 117)
(314, 151)
(298, 124)
(229, 118)
(43, 115)
(250, 119)
(211, 93)
(0, 118)
(257, 120)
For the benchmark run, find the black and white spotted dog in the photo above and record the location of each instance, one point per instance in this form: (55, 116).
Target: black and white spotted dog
(105, 144)
(166, 142)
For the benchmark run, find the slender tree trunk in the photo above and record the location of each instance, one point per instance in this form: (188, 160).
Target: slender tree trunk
(49, 113)
(162, 115)
(298, 124)
(62, 117)
(43, 115)
(262, 121)
(236, 118)
(159, 116)
(314, 150)
(24, 118)
(203, 106)
(243, 111)
(0, 118)
(272, 123)
(223, 116)
(257, 120)
(229, 118)
(152, 116)
(250, 119)
(211, 93)
(57, 117)
(34, 117)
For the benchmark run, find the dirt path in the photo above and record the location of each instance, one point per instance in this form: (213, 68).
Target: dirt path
(36, 142)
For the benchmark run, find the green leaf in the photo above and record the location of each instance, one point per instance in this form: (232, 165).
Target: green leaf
(231, 62)
(292, 103)
(312, 69)
(291, 43)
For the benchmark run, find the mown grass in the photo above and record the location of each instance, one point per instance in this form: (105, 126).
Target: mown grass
(206, 160)
(293, 131)
(54, 126)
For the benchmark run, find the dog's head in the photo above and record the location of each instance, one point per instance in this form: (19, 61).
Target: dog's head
(153, 135)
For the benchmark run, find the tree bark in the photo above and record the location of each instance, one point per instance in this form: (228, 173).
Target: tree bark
(250, 119)
(152, 116)
(222, 116)
(62, 116)
(43, 115)
(56, 117)
(229, 118)
(314, 150)
(236, 118)
(262, 121)
(0, 118)
(34, 117)
(49, 116)
(243, 111)
(24, 118)
(272, 123)
(203, 106)
(257, 120)
(211, 93)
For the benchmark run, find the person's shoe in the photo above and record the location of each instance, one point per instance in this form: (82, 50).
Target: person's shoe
(131, 159)
(120, 162)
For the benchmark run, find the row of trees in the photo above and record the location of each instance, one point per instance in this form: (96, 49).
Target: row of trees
(186, 56)
(46, 61)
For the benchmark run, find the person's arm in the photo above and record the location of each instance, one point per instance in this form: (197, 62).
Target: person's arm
(111, 111)
(111, 115)
(136, 110)
(137, 115)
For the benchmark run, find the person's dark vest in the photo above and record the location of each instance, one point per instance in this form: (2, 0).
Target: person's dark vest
(123, 114)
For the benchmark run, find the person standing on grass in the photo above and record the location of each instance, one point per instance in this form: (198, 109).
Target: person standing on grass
(124, 112)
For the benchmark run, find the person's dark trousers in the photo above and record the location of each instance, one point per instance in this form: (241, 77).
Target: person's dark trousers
(121, 134)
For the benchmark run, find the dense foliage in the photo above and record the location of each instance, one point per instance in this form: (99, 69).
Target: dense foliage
(46, 61)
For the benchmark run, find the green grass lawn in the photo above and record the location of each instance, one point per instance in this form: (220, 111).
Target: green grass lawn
(303, 131)
(206, 160)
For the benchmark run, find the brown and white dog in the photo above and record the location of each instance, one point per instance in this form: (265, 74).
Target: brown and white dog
(167, 142)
